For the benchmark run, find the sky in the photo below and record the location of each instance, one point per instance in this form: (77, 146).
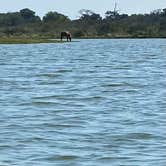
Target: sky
(71, 7)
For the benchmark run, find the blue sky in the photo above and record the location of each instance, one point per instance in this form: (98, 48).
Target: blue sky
(71, 7)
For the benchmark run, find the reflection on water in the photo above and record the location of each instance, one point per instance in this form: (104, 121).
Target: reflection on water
(92, 103)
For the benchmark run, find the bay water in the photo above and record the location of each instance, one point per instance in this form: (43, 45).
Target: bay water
(96, 102)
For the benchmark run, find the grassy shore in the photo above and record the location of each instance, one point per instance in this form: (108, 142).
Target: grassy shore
(27, 40)
(14, 40)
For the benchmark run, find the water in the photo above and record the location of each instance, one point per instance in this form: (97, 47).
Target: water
(87, 103)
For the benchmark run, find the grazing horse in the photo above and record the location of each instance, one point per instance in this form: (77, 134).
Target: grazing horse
(67, 35)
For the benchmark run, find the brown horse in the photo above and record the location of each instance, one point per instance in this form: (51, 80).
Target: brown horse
(67, 35)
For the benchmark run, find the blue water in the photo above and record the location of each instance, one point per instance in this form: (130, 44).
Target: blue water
(86, 103)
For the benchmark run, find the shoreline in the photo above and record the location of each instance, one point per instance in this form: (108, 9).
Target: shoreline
(28, 41)
(123, 37)
(46, 40)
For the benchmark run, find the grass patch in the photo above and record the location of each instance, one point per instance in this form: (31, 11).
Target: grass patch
(27, 41)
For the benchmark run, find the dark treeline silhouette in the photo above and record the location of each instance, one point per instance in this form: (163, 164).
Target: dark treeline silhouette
(89, 25)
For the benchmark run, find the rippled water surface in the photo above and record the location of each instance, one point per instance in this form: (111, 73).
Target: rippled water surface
(86, 103)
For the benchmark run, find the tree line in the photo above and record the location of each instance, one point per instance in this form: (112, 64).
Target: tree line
(26, 23)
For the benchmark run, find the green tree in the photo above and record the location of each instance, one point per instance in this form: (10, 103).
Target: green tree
(55, 17)
(29, 15)
(89, 16)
